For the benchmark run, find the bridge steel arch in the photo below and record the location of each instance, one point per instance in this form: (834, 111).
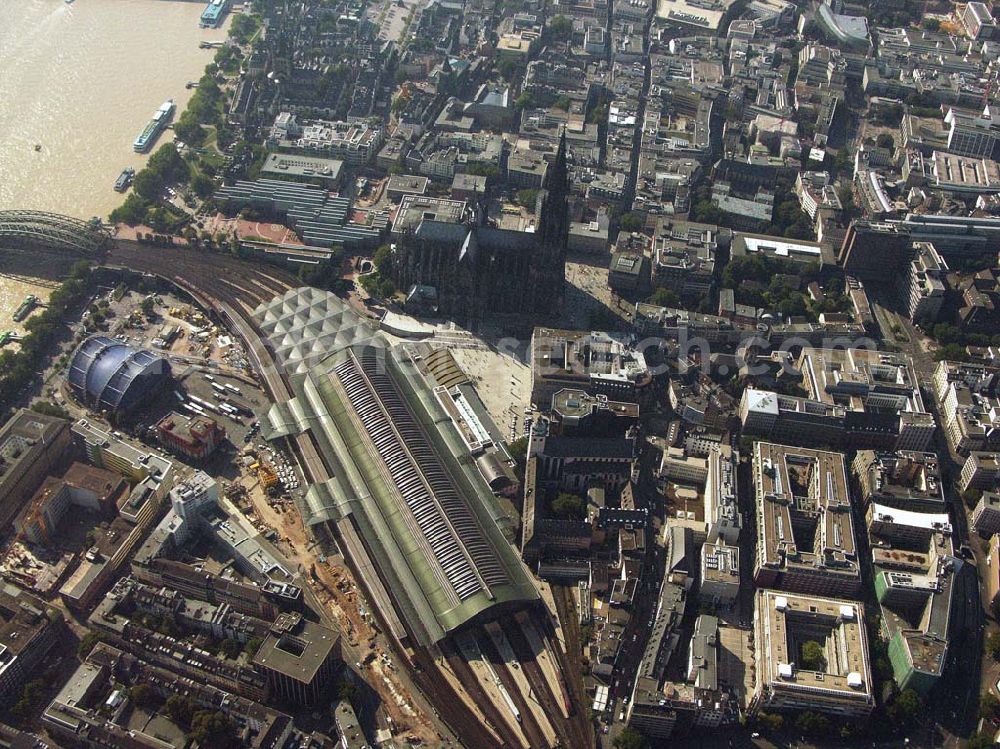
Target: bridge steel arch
(87, 238)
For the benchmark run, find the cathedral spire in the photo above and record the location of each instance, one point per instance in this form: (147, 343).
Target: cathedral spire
(554, 221)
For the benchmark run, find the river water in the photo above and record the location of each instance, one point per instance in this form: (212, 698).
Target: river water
(81, 80)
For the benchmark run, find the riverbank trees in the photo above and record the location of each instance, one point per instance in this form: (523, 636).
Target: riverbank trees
(18, 367)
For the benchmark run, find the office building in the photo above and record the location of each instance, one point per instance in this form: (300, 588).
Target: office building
(700, 699)
(192, 437)
(628, 273)
(300, 168)
(840, 684)
(720, 574)
(915, 594)
(805, 531)
(104, 450)
(722, 514)
(350, 142)
(28, 630)
(905, 528)
(299, 658)
(978, 21)
(959, 236)
(859, 398)
(684, 256)
(597, 363)
(82, 486)
(969, 404)
(578, 412)
(875, 251)
(923, 284)
(906, 480)
(351, 734)
(980, 471)
(797, 251)
(986, 515)
(32, 447)
(970, 134)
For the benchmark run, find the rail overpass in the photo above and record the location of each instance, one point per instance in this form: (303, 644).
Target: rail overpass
(52, 231)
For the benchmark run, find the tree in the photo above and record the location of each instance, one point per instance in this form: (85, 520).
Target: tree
(569, 506)
(87, 643)
(147, 185)
(525, 101)
(632, 222)
(989, 705)
(211, 728)
(229, 648)
(630, 739)
(561, 27)
(243, 27)
(202, 185)
(812, 723)
(50, 409)
(931, 24)
(131, 212)
(971, 497)
(563, 102)
(993, 645)
(843, 160)
(905, 708)
(142, 695)
(510, 69)
(168, 165)
(181, 709)
(980, 741)
(345, 690)
(148, 306)
(527, 197)
(189, 130)
(770, 722)
(846, 194)
(706, 212)
(662, 297)
(518, 450)
(813, 657)
(383, 258)
(400, 103)
(252, 646)
(951, 352)
(885, 140)
(31, 695)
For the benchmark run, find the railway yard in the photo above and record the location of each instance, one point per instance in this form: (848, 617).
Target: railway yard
(496, 685)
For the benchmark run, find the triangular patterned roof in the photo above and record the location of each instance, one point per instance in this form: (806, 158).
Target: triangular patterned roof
(304, 326)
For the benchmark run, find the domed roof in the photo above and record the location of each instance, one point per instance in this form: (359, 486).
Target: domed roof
(106, 374)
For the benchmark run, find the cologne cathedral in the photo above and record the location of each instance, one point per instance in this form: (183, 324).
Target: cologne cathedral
(475, 271)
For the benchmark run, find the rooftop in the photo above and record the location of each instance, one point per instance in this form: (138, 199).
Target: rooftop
(786, 621)
(297, 165)
(296, 647)
(427, 516)
(414, 209)
(804, 510)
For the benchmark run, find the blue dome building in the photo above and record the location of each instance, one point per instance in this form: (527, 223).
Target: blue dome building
(108, 375)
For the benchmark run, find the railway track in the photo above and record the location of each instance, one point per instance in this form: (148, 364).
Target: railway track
(568, 663)
(576, 730)
(529, 724)
(463, 671)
